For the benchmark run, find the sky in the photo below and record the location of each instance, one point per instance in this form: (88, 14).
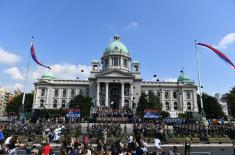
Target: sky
(68, 35)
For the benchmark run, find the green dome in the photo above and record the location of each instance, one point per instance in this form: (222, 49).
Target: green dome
(183, 78)
(116, 46)
(48, 76)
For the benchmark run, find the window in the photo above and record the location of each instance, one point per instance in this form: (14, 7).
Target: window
(167, 106)
(188, 94)
(72, 92)
(41, 103)
(64, 92)
(43, 92)
(115, 62)
(56, 93)
(63, 104)
(126, 91)
(166, 94)
(80, 92)
(95, 67)
(175, 106)
(125, 62)
(174, 94)
(189, 106)
(55, 104)
(106, 62)
(136, 68)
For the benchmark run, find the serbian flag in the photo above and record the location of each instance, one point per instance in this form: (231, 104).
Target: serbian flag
(219, 53)
(33, 54)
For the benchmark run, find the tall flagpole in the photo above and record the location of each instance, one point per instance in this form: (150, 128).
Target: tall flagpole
(25, 82)
(199, 79)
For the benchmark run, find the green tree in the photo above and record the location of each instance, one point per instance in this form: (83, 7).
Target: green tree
(13, 106)
(211, 107)
(142, 104)
(150, 101)
(83, 103)
(230, 99)
(154, 101)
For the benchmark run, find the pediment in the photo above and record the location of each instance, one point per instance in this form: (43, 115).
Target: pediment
(114, 73)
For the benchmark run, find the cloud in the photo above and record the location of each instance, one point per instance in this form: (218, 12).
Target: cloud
(63, 71)
(167, 79)
(15, 86)
(8, 57)
(170, 79)
(132, 25)
(14, 73)
(227, 40)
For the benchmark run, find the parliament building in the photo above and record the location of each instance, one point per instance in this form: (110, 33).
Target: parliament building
(115, 81)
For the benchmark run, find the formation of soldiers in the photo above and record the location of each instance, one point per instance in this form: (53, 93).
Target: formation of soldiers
(108, 115)
(203, 132)
(150, 130)
(46, 128)
(111, 129)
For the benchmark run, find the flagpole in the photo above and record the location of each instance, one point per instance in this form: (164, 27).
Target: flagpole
(25, 82)
(199, 78)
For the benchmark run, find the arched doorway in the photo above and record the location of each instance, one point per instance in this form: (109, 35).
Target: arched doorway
(115, 98)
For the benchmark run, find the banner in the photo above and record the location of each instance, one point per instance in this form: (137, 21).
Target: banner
(73, 113)
(150, 113)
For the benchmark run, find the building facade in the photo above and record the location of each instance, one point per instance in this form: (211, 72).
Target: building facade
(5, 98)
(115, 81)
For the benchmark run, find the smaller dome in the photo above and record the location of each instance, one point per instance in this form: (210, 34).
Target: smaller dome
(48, 76)
(183, 78)
(95, 61)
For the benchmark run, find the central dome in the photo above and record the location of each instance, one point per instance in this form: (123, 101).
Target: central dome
(116, 46)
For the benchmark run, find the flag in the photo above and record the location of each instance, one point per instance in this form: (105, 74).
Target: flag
(219, 53)
(33, 54)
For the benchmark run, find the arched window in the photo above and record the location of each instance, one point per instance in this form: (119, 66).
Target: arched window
(43, 92)
(72, 93)
(175, 106)
(63, 104)
(189, 106)
(174, 94)
(56, 93)
(166, 94)
(167, 106)
(188, 94)
(55, 104)
(64, 92)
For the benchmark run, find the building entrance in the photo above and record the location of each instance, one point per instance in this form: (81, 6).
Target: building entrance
(115, 98)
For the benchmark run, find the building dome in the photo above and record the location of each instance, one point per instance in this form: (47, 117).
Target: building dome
(116, 46)
(183, 78)
(48, 76)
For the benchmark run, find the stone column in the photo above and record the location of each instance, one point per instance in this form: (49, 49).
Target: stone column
(98, 94)
(131, 96)
(122, 102)
(107, 94)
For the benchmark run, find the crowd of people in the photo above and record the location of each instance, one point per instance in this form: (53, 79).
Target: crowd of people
(108, 115)
(203, 132)
(110, 130)
(68, 134)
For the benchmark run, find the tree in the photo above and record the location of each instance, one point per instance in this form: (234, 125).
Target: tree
(154, 101)
(13, 106)
(230, 99)
(211, 106)
(148, 102)
(83, 103)
(142, 104)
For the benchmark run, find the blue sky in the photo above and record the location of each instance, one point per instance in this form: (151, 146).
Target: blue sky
(160, 34)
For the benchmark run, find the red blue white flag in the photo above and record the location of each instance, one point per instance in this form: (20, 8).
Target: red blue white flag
(219, 53)
(33, 54)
